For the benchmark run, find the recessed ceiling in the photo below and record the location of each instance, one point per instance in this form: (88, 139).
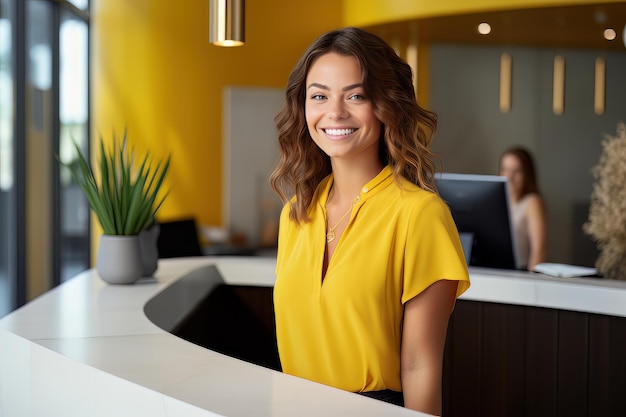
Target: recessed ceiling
(568, 27)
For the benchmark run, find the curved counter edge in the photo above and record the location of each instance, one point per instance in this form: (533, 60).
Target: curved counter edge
(86, 348)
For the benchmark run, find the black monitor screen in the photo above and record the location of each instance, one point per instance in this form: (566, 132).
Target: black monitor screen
(480, 207)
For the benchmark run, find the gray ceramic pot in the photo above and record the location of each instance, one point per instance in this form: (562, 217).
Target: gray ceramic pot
(149, 250)
(119, 259)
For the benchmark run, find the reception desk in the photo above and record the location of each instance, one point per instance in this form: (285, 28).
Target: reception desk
(522, 344)
(87, 348)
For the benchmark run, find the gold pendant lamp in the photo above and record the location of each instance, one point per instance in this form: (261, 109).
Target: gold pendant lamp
(227, 22)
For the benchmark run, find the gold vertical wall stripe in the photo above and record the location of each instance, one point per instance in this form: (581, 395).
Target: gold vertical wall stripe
(412, 53)
(599, 87)
(558, 85)
(505, 82)
(423, 69)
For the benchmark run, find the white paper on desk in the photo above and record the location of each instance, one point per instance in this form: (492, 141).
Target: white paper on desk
(564, 270)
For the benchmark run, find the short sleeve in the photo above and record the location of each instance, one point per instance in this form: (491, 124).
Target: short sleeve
(433, 250)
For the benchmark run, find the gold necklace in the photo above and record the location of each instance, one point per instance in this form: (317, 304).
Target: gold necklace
(330, 235)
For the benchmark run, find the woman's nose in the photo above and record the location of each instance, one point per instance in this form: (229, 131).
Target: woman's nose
(338, 109)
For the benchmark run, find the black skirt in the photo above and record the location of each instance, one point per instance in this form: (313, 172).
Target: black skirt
(387, 395)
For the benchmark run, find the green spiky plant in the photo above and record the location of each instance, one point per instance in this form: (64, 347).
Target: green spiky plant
(125, 201)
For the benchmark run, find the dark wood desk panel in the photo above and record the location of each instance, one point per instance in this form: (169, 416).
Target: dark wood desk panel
(506, 360)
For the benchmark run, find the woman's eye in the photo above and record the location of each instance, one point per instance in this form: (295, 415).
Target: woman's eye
(317, 97)
(357, 97)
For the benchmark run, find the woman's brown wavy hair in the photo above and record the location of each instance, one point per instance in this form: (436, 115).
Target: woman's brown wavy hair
(388, 81)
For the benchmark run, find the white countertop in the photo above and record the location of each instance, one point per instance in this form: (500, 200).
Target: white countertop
(589, 295)
(86, 348)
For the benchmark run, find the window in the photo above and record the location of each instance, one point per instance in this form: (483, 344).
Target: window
(7, 155)
(74, 127)
(44, 107)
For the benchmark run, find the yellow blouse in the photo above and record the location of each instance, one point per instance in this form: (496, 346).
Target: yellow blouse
(345, 331)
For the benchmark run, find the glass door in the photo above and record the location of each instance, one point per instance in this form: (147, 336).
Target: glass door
(44, 108)
(73, 231)
(7, 157)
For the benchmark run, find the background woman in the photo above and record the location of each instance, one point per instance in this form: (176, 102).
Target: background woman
(529, 218)
(369, 260)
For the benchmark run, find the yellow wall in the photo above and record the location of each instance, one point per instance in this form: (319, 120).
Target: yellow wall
(374, 12)
(154, 72)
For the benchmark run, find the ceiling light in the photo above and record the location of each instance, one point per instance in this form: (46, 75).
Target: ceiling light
(227, 22)
(609, 34)
(484, 28)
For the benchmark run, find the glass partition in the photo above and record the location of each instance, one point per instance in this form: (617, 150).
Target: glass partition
(7, 278)
(44, 107)
(73, 117)
(81, 4)
(39, 140)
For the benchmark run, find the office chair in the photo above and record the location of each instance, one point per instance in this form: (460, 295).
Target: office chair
(178, 238)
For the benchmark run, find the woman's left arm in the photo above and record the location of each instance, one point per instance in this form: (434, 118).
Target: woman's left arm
(536, 217)
(423, 339)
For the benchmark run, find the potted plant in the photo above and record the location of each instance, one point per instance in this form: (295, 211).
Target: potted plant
(125, 199)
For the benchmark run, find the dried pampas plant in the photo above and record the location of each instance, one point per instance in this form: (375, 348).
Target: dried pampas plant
(607, 213)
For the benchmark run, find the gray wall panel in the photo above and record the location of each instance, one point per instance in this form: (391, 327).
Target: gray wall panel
(464, 91)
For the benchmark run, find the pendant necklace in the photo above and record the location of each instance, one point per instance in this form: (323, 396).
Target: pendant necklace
(330, 235)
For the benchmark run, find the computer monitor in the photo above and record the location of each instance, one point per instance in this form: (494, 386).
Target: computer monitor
(480, 207)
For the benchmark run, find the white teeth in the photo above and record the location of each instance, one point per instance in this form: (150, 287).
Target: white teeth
(339, 132)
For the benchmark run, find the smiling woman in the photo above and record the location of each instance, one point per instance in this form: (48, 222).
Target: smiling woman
(349, 271)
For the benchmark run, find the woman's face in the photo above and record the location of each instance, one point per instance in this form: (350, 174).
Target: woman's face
(339, 115)
(511, 168)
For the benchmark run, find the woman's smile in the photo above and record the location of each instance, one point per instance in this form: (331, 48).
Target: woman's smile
(338, 133)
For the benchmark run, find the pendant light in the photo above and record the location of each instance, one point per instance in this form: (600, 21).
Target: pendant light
(227, 22)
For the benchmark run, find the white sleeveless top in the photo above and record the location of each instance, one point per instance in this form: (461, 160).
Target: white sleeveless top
(520, 228)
